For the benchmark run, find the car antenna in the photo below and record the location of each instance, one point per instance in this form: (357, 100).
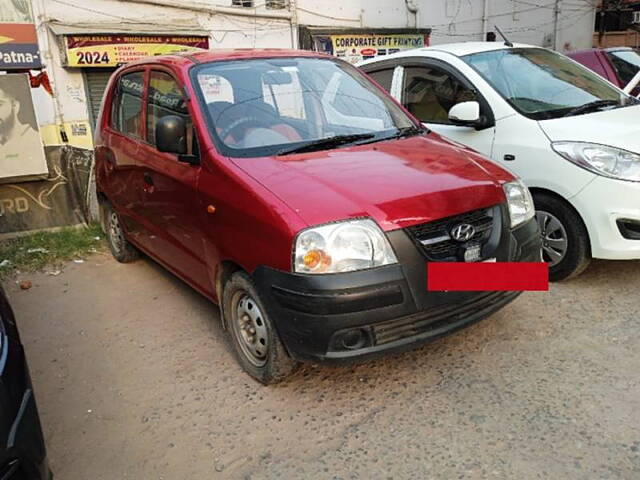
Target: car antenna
(506, 40)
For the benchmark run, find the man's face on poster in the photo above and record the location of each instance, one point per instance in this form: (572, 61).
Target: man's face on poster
(7, 112)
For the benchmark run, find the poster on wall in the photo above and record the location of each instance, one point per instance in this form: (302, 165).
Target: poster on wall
(21, 150)
(114, 50)
(18, 40)
(355, 48)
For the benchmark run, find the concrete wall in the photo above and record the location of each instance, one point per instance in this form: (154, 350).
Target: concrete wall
(522, 21)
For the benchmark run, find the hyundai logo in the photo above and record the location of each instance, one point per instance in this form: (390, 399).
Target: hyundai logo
(463, 232)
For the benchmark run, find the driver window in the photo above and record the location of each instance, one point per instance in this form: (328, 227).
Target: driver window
(430, 92)
(166, 98)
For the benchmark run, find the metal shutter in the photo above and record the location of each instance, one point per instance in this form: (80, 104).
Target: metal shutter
(96, 83)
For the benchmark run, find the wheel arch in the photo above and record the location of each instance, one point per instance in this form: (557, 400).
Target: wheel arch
(225, 270)
(103, 202)
(543, 191)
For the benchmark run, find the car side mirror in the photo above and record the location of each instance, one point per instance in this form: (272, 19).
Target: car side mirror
(466, 114)
(171, 135)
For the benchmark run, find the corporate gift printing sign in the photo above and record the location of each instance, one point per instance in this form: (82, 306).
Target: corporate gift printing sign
(114, 50)
(21, 151)
(18, 40)
(355, 48)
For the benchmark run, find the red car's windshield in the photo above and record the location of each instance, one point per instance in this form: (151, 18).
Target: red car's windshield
(266, 106)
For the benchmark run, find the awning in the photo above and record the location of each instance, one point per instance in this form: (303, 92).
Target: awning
(193, 29)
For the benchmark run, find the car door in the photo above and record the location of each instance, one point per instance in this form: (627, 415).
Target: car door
(430, 88)
(170, 199)
(122, 140)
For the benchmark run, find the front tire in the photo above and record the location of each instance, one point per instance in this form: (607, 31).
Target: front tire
(565, 240)
(120, 247)
(256, 343)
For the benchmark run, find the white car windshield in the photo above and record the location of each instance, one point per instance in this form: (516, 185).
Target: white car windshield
(282, 105)
(542, 84)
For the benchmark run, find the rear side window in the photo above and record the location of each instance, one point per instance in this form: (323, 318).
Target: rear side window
(429, 93)
(127, 107)
(383, 78)
(166, 98)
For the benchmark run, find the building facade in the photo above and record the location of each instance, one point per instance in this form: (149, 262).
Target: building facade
(617, 24)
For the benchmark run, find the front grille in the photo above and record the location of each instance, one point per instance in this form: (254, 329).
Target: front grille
(442, 319)
(434, 238)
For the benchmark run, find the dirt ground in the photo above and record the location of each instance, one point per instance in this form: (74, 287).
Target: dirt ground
(135, 380)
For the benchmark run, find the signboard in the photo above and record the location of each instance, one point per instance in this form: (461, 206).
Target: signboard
(21, 151)
(18, 40)
(355, 48)
(114, 50)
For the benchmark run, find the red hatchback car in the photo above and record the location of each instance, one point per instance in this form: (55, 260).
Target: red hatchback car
(294, 192)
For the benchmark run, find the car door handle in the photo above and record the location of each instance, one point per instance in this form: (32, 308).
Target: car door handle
(147, 178)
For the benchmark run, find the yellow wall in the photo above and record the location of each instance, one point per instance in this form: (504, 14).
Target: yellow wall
(78, 133)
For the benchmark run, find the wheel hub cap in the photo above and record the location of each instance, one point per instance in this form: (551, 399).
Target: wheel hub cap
(251, 330)
(115, 232)
(554, 238)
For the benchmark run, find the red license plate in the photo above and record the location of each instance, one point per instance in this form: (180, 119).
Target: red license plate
(487, 276)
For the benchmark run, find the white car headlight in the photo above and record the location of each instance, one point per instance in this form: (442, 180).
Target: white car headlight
(520, 202)
(342, 247)
(607, 161)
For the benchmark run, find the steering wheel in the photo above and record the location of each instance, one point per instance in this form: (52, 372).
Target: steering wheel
(245, 122)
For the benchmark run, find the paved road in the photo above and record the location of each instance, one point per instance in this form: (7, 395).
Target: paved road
(135, 381)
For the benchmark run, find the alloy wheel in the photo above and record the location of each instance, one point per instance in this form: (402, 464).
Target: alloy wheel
(554, 237)
(116, 236)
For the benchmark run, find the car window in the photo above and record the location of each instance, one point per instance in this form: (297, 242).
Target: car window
(542, 84)
(344, 104)
(256, 107)
(285, 98)
(430, 92)
(626, 63)
(383, 78)
(127, 107)
(166, 98)
(216, 88)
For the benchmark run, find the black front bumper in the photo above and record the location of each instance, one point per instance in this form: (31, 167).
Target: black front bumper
(337, 317)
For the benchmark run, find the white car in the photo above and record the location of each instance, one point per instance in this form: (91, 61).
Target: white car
(573, 137)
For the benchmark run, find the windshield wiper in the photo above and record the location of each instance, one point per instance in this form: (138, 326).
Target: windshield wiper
(326, 143)
(587, 107)
(408, 132)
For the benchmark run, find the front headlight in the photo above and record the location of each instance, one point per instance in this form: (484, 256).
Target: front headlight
(607, 161)
(342, 247)
(520, 202)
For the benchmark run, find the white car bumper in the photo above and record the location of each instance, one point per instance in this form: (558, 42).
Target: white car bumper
(601, 204)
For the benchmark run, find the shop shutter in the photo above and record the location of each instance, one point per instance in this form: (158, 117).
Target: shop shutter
(96, 81)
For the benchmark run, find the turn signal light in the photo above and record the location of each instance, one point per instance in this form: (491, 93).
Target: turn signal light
(316, 260)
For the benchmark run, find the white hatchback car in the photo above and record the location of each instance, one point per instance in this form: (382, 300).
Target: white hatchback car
(573, 137)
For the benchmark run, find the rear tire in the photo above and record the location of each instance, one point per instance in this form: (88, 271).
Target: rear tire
(256, 343)
(120, 247)
(565, 240)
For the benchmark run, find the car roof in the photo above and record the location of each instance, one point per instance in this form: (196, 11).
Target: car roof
(597, 49)
(465, 48)
(206, 56)
(458, 49)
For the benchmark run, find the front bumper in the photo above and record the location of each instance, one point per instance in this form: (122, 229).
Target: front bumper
(601, 205)
(337, 317)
